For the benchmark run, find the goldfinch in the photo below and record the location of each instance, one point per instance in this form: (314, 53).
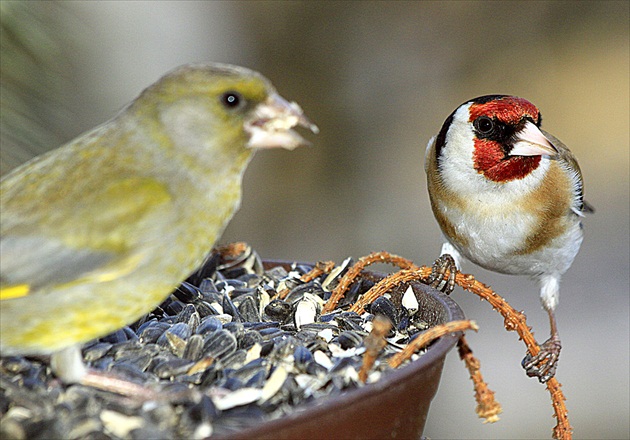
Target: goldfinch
(508, 196)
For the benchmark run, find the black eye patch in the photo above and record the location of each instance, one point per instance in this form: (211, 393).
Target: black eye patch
(494, 130)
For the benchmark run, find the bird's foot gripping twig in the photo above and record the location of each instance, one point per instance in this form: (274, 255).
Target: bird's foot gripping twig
(443, 274)
(544, 364)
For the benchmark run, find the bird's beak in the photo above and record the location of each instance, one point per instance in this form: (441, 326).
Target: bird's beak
(272, 122)
(531, 142)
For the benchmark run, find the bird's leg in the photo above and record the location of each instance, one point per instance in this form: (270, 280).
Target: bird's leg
(107, 381)
(67, 365)
(544, 364)
(438, 278)
(134, 392)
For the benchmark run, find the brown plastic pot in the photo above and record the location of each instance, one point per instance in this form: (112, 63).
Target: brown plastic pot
(394, 407)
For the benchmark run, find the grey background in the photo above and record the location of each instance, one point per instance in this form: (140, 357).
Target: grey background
(379, 79)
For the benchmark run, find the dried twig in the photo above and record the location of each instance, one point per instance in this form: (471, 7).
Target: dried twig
(374, 343)
(384, 286)
(429, 335)
(232, 250)
(355, 271)
(516, 321)
(487, 408)
(320, 268)
(513, 321)
(563, 429)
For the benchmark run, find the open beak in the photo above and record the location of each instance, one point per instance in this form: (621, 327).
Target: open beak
(531, 142)
(272, 123)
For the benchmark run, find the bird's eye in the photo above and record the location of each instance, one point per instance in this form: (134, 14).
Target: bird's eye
(484, 125)
(232, 100)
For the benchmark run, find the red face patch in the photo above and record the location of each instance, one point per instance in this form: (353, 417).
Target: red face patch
(509, 109)
(489, 156)
(490, 160)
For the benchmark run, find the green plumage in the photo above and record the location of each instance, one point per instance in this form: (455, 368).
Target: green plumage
(100, 231)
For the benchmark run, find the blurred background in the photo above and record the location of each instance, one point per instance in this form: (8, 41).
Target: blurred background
(379, 79)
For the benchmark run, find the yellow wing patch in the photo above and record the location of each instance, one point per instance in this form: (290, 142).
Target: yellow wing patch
(16, 291)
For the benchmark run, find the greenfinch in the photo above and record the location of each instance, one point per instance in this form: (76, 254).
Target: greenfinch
(99, 231)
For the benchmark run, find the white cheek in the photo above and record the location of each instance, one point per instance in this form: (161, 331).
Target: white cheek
(456, 165)
(458, 171)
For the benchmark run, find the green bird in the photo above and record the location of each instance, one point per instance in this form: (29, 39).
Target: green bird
(99, 231)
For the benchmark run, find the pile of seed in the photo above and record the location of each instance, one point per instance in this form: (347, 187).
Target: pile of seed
(248, 357)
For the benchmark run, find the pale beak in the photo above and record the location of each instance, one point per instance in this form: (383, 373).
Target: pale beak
(531, 142)
(272, 122)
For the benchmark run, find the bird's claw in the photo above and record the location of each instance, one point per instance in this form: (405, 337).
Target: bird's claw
(438, 278)
(544, 364)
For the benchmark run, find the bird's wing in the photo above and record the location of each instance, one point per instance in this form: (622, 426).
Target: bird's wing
(564, 153)
(567, 157)
(95, 240)
(30, 263)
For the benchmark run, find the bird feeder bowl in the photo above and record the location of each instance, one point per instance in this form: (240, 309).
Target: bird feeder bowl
(396, 406)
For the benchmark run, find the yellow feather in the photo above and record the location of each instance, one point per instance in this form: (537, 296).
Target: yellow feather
(16, 291)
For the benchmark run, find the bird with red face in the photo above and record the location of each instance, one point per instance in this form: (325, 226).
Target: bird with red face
(508, 197)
